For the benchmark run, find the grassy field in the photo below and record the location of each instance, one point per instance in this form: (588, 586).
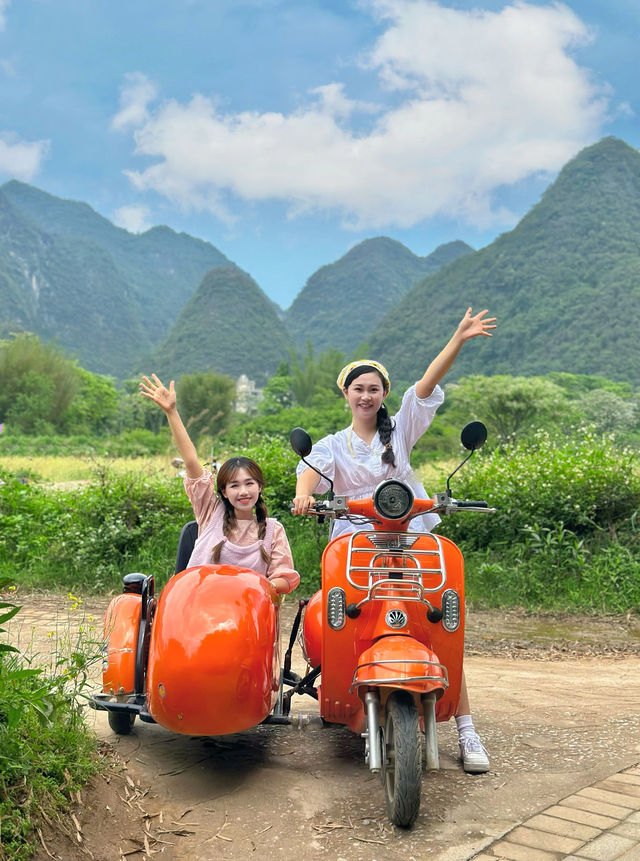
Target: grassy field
(434, 475)
(62, 469)
(65, 468)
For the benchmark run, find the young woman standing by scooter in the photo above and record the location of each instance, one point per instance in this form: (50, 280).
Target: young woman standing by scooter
(376, 447)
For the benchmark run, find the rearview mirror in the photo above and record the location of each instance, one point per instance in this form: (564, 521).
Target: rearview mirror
(300, 441)
(473, 436)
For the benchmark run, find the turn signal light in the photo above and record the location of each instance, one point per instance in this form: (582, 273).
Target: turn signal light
(450, 610)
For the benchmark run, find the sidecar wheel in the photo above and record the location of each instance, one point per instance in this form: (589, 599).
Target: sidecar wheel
(402, 762)
(121, 722)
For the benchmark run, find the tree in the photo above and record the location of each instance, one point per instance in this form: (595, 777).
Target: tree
(37, 384)
(314, 379)
(509, 406)
(94, 410)
(608, 412)
(204, 401)
(134, 411)
(277, 395)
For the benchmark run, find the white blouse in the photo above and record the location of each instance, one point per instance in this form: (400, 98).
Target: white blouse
(356, 467)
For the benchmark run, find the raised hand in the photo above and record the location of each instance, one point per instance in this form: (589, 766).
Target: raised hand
(471, 327)
(158, 393)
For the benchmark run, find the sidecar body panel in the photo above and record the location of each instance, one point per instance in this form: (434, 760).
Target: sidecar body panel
(121, 624)
(214, 662)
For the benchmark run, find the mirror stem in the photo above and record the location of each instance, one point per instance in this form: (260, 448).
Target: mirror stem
(455, 470)
(330, 494)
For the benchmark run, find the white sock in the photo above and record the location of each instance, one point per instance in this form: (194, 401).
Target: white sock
(465, 726)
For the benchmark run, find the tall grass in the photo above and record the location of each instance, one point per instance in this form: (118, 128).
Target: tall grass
(566, 534)
(67, 468)
(46, 754)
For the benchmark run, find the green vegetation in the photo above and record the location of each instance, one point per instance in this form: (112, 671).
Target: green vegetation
(566, 534)
(90, 536)
(575, 250)
(205, 402)
(106, 295)
(362, 286)
(46, 752)
(228, 324)
(129, 520)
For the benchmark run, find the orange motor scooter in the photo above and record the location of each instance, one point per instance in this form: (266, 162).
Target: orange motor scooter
(385, 634)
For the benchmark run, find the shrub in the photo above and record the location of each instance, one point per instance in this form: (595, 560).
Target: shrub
(586, 485)
(93, 535)
(565, 534)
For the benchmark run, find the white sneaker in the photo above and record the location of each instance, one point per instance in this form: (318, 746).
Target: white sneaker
(475, 759)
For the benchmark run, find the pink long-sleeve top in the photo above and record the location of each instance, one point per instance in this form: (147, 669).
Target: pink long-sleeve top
(243, 545)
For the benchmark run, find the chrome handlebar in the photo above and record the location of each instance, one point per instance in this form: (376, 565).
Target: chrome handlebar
(443, 504)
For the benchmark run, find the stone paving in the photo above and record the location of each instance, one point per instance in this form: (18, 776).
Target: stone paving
(598, 823)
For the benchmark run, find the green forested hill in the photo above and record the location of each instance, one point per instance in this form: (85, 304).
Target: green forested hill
(69, 291)
(229, 326)
(565, 284)
(153, 275)
(368, 280)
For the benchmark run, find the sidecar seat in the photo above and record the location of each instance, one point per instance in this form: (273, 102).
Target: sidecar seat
(186, 542)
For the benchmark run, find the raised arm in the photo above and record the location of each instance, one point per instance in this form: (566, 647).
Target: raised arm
(166, 400)
(469, 327)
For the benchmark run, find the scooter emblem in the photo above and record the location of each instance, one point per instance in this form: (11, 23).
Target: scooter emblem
(396, 618)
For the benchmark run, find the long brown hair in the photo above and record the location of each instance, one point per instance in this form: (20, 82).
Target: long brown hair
(226, 474)
(384, 424)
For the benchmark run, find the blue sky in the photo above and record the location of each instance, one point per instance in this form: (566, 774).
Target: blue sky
(286, 131)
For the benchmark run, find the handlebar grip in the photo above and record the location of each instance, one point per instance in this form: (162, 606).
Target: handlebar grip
(471, 503)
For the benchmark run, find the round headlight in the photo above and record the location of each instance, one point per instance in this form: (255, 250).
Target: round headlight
(393, 499)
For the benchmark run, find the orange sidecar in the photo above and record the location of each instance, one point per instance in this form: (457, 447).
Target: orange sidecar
(203, 659)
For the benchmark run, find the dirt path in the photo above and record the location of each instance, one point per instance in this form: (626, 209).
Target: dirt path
(556, 703)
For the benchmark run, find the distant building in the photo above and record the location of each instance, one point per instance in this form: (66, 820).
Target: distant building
(247, 395)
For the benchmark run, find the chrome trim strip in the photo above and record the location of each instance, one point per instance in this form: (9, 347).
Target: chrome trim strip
(357, 683)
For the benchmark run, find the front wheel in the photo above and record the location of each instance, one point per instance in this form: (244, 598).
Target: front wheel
(121, 722)
(402, 761)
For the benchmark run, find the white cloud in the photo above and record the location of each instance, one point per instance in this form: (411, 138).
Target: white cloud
(21, 159)
(135, 95)
(133, 218)
(479, 99)
(3, 7)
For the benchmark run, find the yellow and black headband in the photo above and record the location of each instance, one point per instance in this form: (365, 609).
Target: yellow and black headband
(360, 363)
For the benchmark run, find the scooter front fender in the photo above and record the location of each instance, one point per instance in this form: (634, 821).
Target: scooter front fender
(395, 663)
(400, 662)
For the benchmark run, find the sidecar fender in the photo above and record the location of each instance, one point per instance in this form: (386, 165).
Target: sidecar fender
(121, 624)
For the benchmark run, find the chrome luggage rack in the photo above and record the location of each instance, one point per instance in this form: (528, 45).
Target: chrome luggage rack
(404, 580)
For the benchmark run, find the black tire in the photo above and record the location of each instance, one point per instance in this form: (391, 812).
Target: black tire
(121, 722)
(402, 761)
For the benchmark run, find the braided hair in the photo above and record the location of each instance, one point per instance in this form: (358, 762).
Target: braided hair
(227, 473)
(384, 425)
